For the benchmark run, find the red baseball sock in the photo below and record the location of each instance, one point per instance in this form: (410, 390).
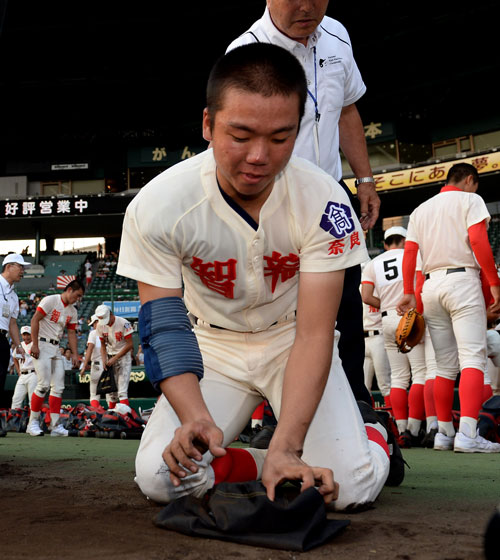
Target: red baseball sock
(487, 392)
(387, 401)
(470, 391)
(94, 403)
(55, 404)
(237, 465)
(258, 413)
(375, 436)
(443, 397)
(430, 407)
(111, 405)
(124, 401)
(399, 401)
(416, 407)
(36, 402)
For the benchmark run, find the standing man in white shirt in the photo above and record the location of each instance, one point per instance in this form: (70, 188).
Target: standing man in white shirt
(116, 346)
(53, 314)
(331, 121)
(12, 271)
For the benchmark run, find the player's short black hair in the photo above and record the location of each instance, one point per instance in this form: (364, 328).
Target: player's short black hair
(460, 171)
(394, 240)
(256, 68)
(75, 285)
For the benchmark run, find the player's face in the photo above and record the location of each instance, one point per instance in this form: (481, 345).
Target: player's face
(72, 296)
(26, 337)
(297, 18)
(253, 138)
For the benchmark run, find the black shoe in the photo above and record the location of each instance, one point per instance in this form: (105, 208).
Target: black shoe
(3, 433)
(428, 439)
(404, 440)
(262, 438)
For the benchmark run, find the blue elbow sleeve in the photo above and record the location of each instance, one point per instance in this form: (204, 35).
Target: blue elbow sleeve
(168, 341)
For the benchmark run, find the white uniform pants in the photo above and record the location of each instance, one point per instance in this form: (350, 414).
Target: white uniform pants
(25, 386)
(240, 370)
(376, 362)
(404, 367)
(455, 314)
(430, 357)
(122, 369)
(95, 374)
(493, 350)
(49, 370)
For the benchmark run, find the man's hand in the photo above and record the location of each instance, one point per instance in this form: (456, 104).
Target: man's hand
(110, 362)
(76, 361)
(281, 466)
(495, 306)
(408, 301)
(35, 351)
(369, 203)
(190, 441)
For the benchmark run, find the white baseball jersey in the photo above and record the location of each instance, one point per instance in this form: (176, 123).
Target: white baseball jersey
(333, 80)
(440, 227)
(180, 230)
(372, 318)
(96, 341)
(114, 336)
(9, 304)
(26, 361)
(56, 316)
(386, 275)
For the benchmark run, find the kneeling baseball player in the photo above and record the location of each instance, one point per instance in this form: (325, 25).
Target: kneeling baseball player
(259, 240)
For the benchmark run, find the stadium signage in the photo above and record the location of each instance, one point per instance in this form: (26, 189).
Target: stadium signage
(428, 174)
(68, 166)
(63, 206)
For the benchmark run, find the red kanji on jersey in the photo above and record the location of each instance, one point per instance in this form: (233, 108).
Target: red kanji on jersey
(355, 239)
(54, 316)
(336, 247)
(118, 336)
(278, 266)
(217, 276)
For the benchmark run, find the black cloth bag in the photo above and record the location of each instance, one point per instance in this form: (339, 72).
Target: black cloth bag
(241, 512)
(107, 382)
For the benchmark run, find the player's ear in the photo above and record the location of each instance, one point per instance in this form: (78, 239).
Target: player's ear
(207, 126)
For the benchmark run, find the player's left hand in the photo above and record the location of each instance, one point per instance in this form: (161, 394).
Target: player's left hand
(281, 466)
(495, 306)
(369, 203)
(408, 301)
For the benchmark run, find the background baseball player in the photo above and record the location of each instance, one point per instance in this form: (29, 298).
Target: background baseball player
(236, 226)
(115, 334)
(384, 273)
(53, 314)
(93, 356)
(376, 360)
(450, 231)
(26, 382)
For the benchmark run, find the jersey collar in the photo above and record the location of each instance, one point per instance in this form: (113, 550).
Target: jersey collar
(449, 188)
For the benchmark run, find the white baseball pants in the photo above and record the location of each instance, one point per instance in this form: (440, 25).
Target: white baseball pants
(25, 386)
(376, 362)
(49, 370)
(240, 370)
(404, 367)
(122, 369)
(95, 374)
(455, 314)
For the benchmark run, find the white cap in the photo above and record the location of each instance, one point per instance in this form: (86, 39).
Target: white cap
(102, 313)
(15, 258)
(396, 230)
(26, 329)
(93, 319)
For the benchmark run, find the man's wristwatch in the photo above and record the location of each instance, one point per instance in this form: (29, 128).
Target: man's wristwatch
(364, 180)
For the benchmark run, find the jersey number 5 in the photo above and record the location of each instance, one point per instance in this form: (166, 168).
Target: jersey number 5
(391, 270)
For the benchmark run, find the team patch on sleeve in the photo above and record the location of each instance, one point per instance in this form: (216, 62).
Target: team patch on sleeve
(337, 220)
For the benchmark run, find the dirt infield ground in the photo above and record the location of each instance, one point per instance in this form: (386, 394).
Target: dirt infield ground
(75, 497)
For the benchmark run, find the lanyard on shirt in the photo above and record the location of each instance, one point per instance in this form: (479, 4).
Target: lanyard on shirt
(317, 114)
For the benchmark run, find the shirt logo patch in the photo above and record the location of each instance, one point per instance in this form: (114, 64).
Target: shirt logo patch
(54, 317)
(217, 276)
(281, 267)
(337, 220)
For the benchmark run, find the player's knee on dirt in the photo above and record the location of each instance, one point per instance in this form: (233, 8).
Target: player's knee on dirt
(153, 479)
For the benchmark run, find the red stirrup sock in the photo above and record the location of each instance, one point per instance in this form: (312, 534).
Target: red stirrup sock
(430, 407)
(399, 401)
(237, 465)
(94, 403)
(387, 401)
(36, 403)
(470, 391)
(416, 408)
(258, 414)
(55, 404)
(443, 397)
(487, 392)
(111, 405)
(124, 401)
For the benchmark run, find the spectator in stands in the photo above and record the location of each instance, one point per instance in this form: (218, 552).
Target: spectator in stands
(88, 276)
(139, 357)
(67, 361)
(23, 308)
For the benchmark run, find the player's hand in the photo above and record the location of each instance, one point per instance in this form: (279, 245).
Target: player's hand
(281, 466)
(495, 293)
(76, 361)
(35, 351)
(408, 301)
(190, 441)
(369, 203)
(110, 362)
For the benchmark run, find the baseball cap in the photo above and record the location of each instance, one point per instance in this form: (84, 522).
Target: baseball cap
(93, 319)
(26, 329)
(15, 258)
(395, 230)
(102, 313)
